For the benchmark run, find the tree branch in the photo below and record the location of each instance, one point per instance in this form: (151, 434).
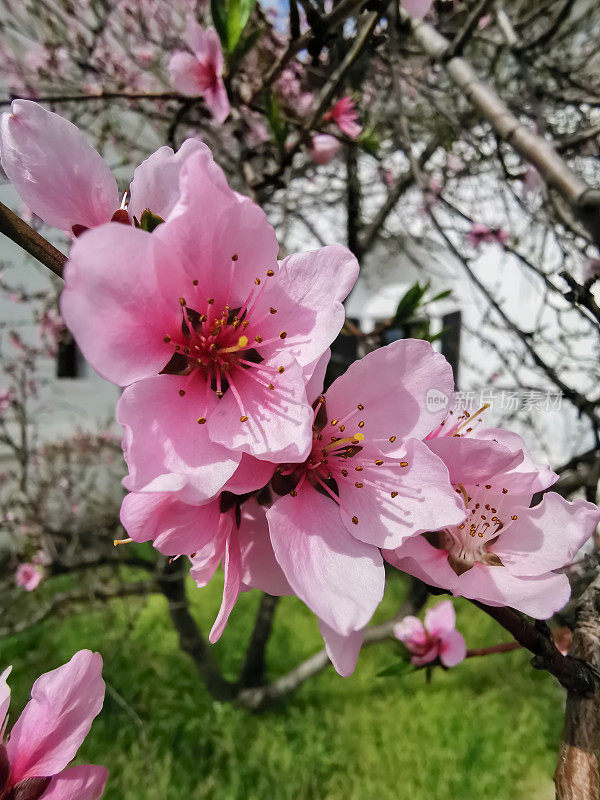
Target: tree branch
(254, 668)
(578, 676)
(171, 581)
(576, 775)
(30, 240)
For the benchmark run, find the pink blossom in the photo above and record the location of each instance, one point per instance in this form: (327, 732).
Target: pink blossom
(532, 182)
(591, 269)
(344, 115)
(231, 530)
(214, 335)
(480, 233)
(324, 148)
(417, 8)
(7, 398)
(28, 576)
(66, 183)
(437, 638)
(201, 74)
(368, 481)
(49, 732)
(505, 553)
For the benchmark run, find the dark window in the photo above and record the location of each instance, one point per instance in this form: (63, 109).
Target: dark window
(69, 361)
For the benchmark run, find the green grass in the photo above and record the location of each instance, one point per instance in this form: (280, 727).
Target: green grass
(486, 730)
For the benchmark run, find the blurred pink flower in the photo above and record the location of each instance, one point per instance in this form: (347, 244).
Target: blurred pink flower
(437, 638)
(49, 732)
(201, 74)
(480, 233)
(344, 115)
(417, 8)
(324, 148)
(591, 269)
(28, 576)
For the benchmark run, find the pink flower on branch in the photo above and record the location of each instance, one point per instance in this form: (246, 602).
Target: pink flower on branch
(436, 639)
(368, 481)
(66, 183)
(324, 147)
(49, 732)
(505, 553)
(479, 234)
(201, 74)
(28, 576)
(231, 531)
(345, 116)
(216, 337)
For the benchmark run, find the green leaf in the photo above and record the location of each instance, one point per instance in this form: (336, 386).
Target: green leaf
(230, 17)
(149, 221)
(370, 141)
(441, 296)
(276, 123)
(218, 10)
(398, 670)
(409, 303)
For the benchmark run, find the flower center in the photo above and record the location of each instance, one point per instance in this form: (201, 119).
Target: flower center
(469, 542)
(222, 342)
(336, 460)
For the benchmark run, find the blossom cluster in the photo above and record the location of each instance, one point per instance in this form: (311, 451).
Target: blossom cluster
(236, 455)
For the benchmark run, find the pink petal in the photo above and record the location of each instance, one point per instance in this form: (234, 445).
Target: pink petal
(314, 374)
(57, 174)
(165, 447)
(472, 460)
(183, 72)
(205, 44)
(393, 383)
(78, 783)
(417, 8)
(441, 619)
(342, 650)
(526, 478)
(425, 499)
(324, 148)
(279, 422)
(251, 474)
(452, 649)
(208, 558)
(231, 225)
(546, 537)
(410, 629)
(218, 102)
(540, 596)
(4, 697)
(417, 557)
(260, 569)
(174, 527)
(113, 304)
(155, 183)
(426, 658)
(57, 719)
(339, 578)
(232, 569)
(308, 294)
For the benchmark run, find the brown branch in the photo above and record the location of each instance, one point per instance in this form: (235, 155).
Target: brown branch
(64, 600)
(171, 581)
(503, 647)
(260, 698)
(576, 775)
(30, 240)
(254, 668)
(577, 675)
